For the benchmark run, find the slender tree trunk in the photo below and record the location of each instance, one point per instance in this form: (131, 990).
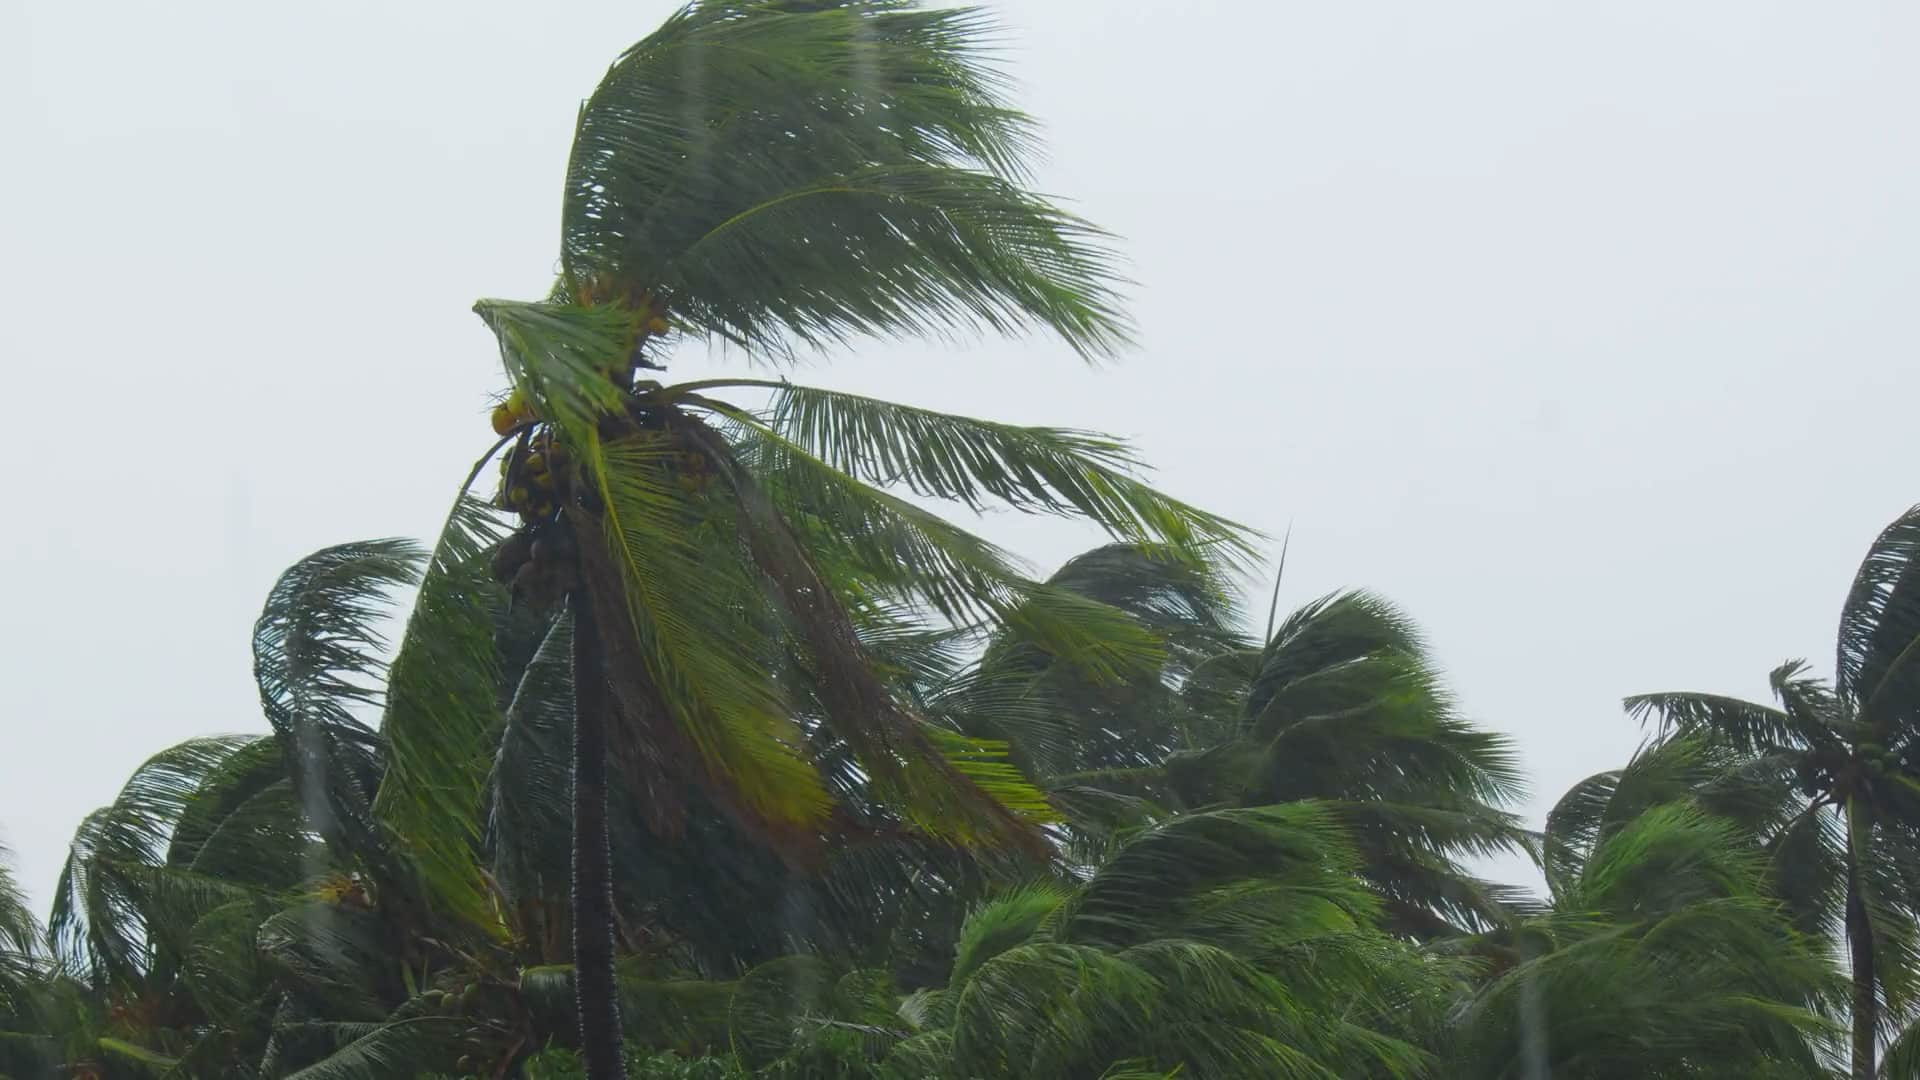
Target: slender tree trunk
(592, 855)
(1866, 1007)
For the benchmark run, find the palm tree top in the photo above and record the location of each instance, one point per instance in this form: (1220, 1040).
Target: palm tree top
(790, 175)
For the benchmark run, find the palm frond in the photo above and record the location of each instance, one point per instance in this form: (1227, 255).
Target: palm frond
(102, 905)
(1749, 727)
(1049, 470)
(1144, 889)
(530, 820)
(408, 1046)
(318, 659)
(708, 636)
(1879, 638)
(862, 149)
(943, 787)
(441, 717)
(895, 549)
(1901, 1060)
(22, 941)
(1660, 772)
(340, 958)
(1003, 923)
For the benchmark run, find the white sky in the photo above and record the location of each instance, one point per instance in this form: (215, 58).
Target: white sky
(1585, 332)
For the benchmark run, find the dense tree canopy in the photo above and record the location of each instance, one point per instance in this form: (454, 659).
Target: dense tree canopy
(707, 750)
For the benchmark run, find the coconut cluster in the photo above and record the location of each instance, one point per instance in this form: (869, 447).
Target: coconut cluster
(540, 560)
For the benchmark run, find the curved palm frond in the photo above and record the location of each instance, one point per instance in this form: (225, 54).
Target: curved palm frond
(1660, 772)
(22, 944)
(318, 659)
(788, 174)
(1879, 638)
(119, 892)
(442, 717)
(1051, 470)
(1665, 930)
(1747, 726)
(1163, 880)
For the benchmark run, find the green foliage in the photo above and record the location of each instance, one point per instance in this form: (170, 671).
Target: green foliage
(884, 803)
(797, 174)
(1834, 775)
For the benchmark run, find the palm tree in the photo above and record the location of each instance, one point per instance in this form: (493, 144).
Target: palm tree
(1233, 943)
(1663, 955)
(774, 177)
(24, 975)
(1236, 943)
(1848, 855)
(1340, 704)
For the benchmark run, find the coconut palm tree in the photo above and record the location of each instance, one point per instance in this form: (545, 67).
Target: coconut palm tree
(776, 177)
(1848, 855)
(1663, 955)
(1233, 943)
(1340, 704)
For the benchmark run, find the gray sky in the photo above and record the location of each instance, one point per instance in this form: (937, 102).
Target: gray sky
(1585, 332)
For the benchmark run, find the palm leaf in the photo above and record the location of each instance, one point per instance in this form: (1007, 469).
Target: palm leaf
(441, 718)
(318, 651)
(102, 909)
(1051, 470)
(1879, 638)
(861, 149)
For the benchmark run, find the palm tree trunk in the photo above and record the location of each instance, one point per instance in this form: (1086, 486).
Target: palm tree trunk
(592, 856)
(1866, 1007)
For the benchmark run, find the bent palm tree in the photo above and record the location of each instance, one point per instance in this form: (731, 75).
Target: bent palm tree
(1663, 955)
(1341, 705)
(1849, 853)
(772, 177)
(1234, 943)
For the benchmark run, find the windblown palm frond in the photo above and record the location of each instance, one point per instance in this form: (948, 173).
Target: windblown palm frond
(1662, 929)
(442, 720)
(1232, 944)
(1715, 777)
(133, 877)
(23, 952)
(798, 174)
(1063, 717)
(318, 657)
(1342, 706)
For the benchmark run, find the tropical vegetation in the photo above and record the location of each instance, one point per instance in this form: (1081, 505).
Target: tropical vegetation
(705, 749)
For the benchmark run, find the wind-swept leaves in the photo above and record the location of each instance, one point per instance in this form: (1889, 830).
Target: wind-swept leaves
(22, 946)
(1051, 470)
(1878, 663)
(442, 719)
(1663, 931)
(788, 175)
(120, 894)
(318, 657)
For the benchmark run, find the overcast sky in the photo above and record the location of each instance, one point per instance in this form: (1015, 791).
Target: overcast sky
(1583, 331)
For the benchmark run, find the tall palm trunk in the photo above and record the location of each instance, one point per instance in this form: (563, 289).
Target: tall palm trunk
(592, 855)
(1866, 1006)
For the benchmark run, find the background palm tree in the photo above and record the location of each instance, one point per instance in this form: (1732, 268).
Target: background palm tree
(1663, 954)
(1848, 855)
(1339, 704)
